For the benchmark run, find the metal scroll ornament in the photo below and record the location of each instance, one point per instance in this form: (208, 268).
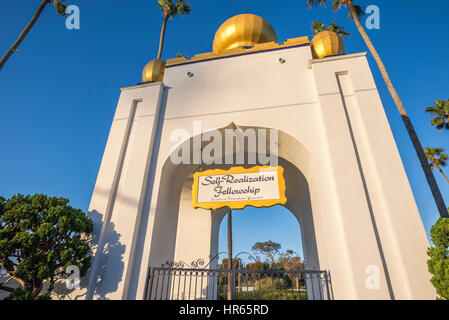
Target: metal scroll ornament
(200, 263)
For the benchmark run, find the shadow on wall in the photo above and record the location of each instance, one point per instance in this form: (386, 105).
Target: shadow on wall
(111, 255)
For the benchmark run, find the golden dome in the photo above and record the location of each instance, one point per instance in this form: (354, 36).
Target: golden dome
(154, 71)
(327, 43)
(244, 30)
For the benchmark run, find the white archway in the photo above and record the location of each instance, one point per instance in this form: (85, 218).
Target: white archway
(182, 233)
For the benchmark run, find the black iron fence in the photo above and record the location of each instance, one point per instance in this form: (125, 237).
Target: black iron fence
(168, 283)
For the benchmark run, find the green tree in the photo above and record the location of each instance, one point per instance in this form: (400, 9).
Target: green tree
(40, 237)
(236, 264)
(438, 263)
(291, 260)
(355, 12)
(441, 113)
(268, 248)
(60, 9)
(169, 10)
(318, 26)
(437, 159)
(268, 283)
(258, 265)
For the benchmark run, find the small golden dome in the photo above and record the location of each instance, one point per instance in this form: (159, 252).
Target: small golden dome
(154, 71)
(244, 30)
(327, 43)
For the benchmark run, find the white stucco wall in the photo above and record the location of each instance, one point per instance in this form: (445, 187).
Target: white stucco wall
(336, 135)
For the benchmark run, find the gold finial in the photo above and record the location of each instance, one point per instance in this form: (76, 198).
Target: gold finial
(327, 43)
(154, 71)
(244, 30)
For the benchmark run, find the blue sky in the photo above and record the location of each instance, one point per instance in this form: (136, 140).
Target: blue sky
(59, 92)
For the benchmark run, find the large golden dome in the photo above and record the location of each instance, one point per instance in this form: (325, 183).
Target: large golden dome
(243, 30)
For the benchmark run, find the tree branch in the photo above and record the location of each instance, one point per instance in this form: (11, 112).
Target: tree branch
(24, 33)
(13, 277)
(7, 289)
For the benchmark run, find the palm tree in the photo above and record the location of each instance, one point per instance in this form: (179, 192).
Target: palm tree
(60, 9)
(355, 12)
(441, 113)
(437, 159)
(318, 26)
(169, 10)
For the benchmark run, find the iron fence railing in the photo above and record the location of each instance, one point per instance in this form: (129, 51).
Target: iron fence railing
(167, 283)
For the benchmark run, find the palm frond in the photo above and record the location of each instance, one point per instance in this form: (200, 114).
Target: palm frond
(183, 8)
(441, 103)
(180, 55)
(59, 7)
(339, 30)
(433, 110)
(436, 156)
(318, 26)
(437, 121)
(336, 5)
(443, 160)
(441, 112)
(171, 9)
(359, 12)
(316, 3)
(166, 6)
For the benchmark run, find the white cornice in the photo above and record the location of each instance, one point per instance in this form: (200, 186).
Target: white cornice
(339, 57)
(143, 85)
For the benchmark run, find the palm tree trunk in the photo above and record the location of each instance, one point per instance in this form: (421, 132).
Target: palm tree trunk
(405, 118)
(444, 175)
(230, 277)
(239, 279)
(161, 40)
(23, 34)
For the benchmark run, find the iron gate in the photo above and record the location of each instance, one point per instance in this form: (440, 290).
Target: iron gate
(174, 283)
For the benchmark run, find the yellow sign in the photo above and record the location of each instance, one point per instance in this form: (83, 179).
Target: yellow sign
(236, 188)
